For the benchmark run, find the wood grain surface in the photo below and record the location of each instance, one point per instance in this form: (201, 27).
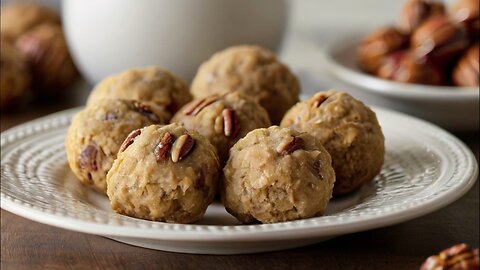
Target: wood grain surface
(29, 245)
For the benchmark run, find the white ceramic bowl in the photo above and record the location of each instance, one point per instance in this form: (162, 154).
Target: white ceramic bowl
(454, 108)
(109, 36)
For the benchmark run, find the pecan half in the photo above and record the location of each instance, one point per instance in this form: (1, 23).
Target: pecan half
(200, 181)
(290, 146)
(457, 257)
(317, 169)
(231, 125)
(164, 147)
(319, 101)
(146, 111)
(88, 158)
(109, 116)
(182, 147)
(129, 140)
(195, 107)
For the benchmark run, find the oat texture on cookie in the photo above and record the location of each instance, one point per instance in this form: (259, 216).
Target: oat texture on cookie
(162, 91)
(350, 132)
(277, 174)
(96, 135)
(252, 70)
(164, 173)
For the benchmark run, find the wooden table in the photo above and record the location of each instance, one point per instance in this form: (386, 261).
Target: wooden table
(29, 245)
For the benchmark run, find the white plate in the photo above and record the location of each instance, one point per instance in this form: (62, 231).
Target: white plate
(454, 108)
(425, 169)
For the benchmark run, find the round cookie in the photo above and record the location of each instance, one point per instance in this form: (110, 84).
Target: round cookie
(154, 86)
(46, 50)
(18, 18)
(96, 134)
(252, 70)
(14, 76)
(223, 119)
(275, 175)
(349, 131)
(164, 173)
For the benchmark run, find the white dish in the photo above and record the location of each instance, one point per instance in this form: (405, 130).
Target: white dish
(425, 169)
(454, 108)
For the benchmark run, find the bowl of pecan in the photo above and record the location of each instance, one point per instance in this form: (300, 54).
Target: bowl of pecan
(427, 64)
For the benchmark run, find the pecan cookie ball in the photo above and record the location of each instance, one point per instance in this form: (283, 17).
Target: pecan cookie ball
(377, 45)
(14, 76)
(161, 90)
(223, 119)
(96, 134)
(17, 19)
(349, 131)
(466, 72)
(46, 50)
(164, 173)
(275, 175)
(254, 71)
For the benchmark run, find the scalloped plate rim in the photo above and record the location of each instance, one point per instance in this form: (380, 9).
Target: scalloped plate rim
(277, 231)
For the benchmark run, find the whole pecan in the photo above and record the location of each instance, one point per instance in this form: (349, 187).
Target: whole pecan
(405, 66)
(377, 45)
(88, 158)
(182, 147)
(458, 257)
(414, 12)
(129, 140)
(146, 111)
(195, 107)
(231, 125)
(467, 12)
(466, 72)
(164, 147)
(439, 40)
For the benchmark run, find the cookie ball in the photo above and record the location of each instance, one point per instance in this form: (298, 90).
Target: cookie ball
(414, 12)
(46, 50)
(17, 19)
(466, 72)
(223, 119)
(349, 131)
(373, 48)
(14, 76)
(440, 40)
(275, 175)
(164, 173)
(160, 89)
(96, 134)
(254, 71)
(406, 67)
